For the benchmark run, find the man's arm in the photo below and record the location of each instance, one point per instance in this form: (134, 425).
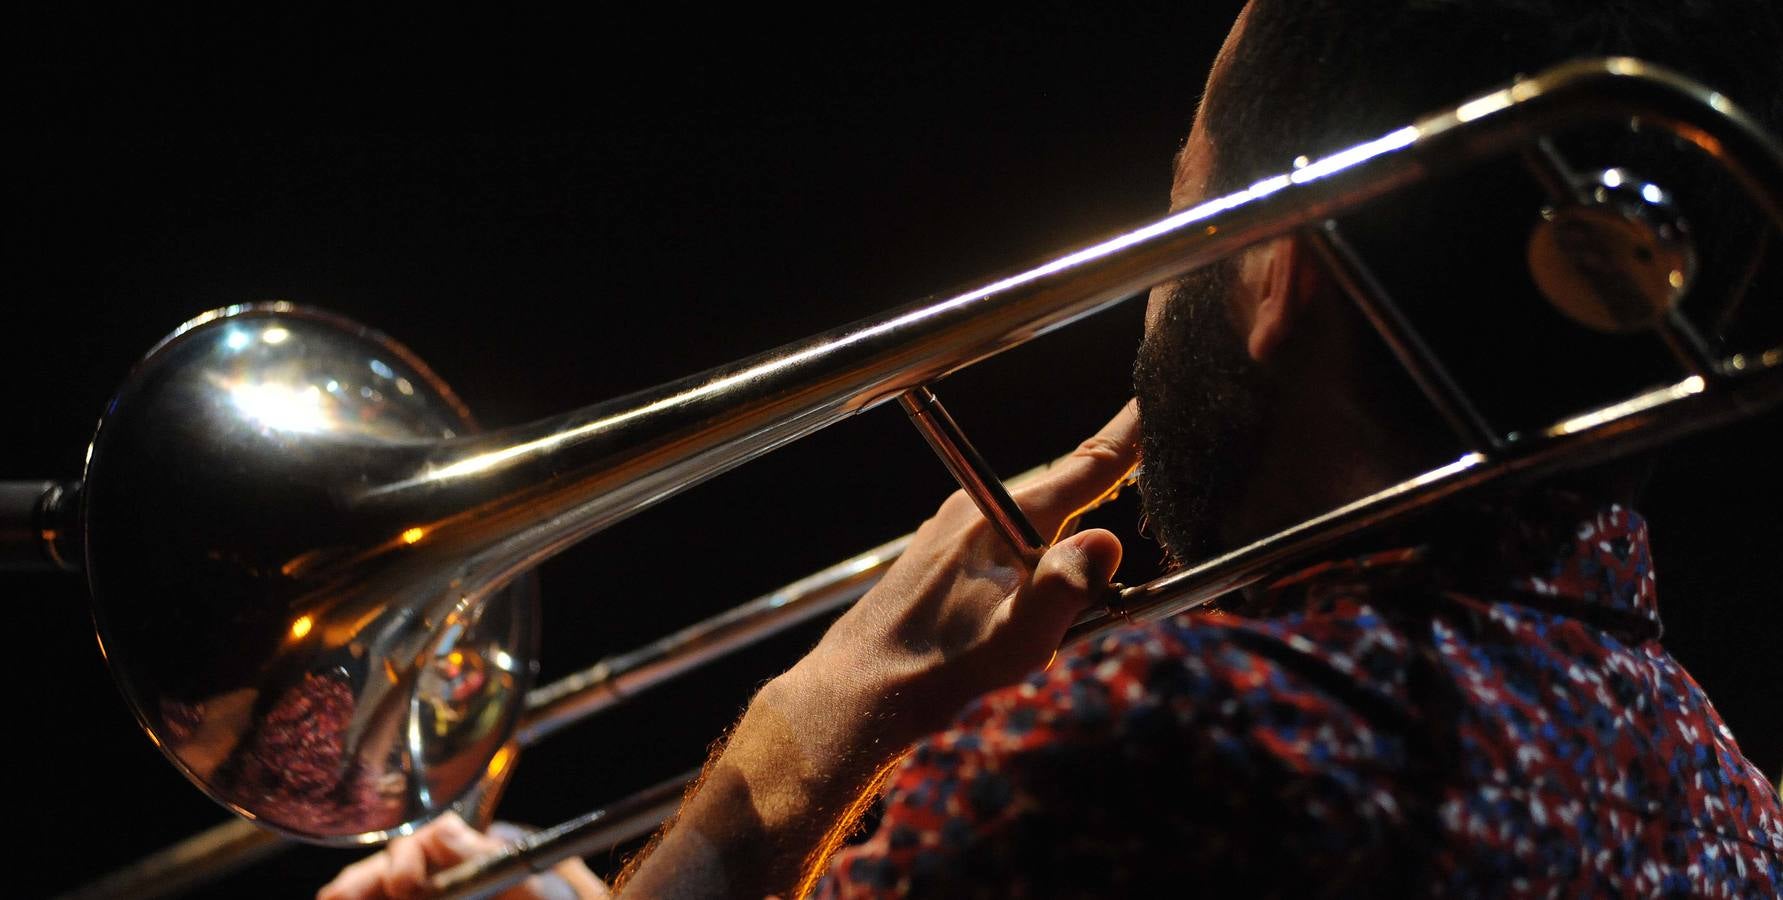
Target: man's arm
(958, 615)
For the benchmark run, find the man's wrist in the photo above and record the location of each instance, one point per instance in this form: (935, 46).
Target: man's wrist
(825, 719)
(789, 773)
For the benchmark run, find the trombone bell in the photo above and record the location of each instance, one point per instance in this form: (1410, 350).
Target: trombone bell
(334, 641)
(369, 675)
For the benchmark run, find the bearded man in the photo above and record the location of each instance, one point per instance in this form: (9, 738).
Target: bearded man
(1477, 703)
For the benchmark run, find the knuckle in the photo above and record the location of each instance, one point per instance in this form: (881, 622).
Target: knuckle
(1100, 449)
(1062, 575)
(954, 513)
(956, 506)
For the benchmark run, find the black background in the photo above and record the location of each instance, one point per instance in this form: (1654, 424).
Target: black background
(555, 211)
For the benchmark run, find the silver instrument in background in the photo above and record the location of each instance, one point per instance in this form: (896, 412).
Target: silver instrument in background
(336, 641)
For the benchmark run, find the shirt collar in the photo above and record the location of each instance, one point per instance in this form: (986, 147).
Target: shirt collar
(1552, 549)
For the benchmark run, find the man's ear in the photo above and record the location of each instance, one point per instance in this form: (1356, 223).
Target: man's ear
(1282, 278)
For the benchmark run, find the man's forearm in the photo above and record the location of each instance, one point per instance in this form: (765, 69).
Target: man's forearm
(790, 775)
(960, 613)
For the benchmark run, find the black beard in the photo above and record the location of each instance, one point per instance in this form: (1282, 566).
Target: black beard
(1200, 408)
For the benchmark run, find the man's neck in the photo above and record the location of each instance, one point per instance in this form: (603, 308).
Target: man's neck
(1329, 437)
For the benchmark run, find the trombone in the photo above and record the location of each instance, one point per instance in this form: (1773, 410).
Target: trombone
(392, 603)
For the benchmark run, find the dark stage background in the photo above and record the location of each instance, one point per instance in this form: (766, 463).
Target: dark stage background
(554, 212)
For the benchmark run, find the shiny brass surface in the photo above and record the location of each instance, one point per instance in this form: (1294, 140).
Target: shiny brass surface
(335, 639)
(1617, 259)
(332, 668)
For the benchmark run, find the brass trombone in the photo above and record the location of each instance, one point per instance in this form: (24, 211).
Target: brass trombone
(363, 663)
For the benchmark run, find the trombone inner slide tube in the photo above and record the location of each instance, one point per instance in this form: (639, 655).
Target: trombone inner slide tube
(619, 678)
(339, 638)
(1655, 417)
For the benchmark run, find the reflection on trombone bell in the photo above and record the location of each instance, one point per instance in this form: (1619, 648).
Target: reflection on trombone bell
(381, 628)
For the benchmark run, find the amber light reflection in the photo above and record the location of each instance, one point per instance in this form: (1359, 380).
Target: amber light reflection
(499, 763)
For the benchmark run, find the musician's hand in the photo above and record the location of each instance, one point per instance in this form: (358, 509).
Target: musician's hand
(403, 867)
(959, 613)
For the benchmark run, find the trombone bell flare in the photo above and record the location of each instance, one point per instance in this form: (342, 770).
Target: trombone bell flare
(337, 674)
(334, 641)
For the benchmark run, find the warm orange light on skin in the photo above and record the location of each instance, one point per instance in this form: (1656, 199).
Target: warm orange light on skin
(1069, 526)
(819, 861)
(301, 627)
(413, 535)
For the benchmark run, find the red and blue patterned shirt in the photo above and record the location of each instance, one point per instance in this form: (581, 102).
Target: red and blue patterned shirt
(1488, 713)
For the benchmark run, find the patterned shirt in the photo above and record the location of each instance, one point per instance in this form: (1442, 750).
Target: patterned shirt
(1487, 713)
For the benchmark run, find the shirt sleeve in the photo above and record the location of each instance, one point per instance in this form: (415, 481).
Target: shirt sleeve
(1156, 756)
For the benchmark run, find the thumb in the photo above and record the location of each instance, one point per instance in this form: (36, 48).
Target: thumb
(1069, 577)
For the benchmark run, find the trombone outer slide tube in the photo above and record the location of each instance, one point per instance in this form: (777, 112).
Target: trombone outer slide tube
(629, 819)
